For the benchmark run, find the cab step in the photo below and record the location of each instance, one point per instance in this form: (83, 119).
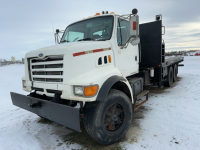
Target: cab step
(139, 96)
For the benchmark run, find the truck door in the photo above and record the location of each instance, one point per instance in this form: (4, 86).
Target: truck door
(128, 57)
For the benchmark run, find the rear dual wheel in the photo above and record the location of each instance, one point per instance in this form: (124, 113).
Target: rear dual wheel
(172, 76)
(175, 71)
(108, 121)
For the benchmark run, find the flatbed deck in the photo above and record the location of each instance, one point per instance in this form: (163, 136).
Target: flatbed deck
(172, 60)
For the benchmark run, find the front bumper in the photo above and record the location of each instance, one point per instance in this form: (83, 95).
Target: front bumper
(67, 90)
(62, 114)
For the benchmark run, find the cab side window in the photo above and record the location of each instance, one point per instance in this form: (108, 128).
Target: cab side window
(122, 32)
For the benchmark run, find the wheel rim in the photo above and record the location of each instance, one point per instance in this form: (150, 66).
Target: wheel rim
(114, 118)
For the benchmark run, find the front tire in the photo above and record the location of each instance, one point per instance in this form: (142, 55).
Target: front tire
(109, 120)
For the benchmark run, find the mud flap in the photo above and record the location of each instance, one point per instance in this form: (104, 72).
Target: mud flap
(61, 114)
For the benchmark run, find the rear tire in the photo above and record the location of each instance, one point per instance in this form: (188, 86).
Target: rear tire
(109, 120)
(175, 73)
(170, 76)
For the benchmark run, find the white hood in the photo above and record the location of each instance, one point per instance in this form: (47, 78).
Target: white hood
(61, 49)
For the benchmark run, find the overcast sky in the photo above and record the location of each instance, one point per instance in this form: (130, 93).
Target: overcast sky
(26, 25)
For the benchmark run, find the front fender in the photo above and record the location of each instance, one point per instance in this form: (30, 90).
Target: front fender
(107, 86)
(103, 92)
(96, 76)
(105, 77)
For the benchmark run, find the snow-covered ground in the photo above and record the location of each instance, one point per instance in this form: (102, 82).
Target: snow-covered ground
(169, 120)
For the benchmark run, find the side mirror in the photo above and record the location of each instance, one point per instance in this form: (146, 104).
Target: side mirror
(57, 36)
(134, 38)
(57, 30)
(134, 27)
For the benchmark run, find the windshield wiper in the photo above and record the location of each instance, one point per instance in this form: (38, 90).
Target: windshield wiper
(100, 39)
(85, 39)
(64, 41)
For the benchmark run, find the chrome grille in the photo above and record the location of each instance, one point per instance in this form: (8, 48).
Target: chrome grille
(47, 72)
(47, 66)
(48, 79)
(49, 69)
(46, 59)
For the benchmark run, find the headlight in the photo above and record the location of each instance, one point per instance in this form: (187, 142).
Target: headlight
(24, 83)
(86, 91)
(78, 90)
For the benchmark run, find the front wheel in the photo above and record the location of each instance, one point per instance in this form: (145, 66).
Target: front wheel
(108, 121)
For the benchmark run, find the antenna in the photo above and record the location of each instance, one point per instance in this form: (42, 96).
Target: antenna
(53, 31)
(52, 26)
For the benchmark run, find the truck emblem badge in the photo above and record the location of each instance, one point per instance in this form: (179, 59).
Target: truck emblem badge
(40, 55)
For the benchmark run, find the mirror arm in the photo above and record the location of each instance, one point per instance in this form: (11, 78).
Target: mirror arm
(127, 42)
(131, 38)
(128, 16)
(57, 37)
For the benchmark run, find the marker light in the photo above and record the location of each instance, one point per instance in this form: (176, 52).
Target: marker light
(109, 58)
(90, 90)
(134, 25)
(112, 13)
(97, 14)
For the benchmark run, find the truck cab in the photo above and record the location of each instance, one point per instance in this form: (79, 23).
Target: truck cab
(90, 51)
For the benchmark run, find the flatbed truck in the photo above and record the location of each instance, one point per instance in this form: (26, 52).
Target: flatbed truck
(96, 73)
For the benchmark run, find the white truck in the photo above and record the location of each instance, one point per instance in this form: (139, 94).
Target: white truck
(96, 74)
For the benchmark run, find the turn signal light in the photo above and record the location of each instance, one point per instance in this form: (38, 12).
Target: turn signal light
(134, 25)
(91, 90)
(97, 14)
(109, 58)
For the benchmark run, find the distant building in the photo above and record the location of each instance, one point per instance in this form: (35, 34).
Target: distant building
(197, 53)
(1, 62)
(171, 53)
(13, 59)
(192, 51)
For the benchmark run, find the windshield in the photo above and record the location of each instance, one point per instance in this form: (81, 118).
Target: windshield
(98, 29)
